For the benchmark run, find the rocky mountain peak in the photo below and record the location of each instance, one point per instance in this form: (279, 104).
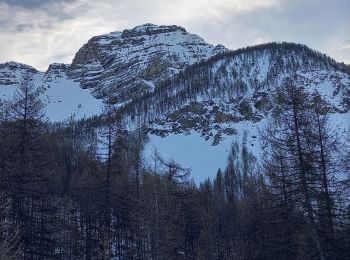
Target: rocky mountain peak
(122, 65)
(54, 71)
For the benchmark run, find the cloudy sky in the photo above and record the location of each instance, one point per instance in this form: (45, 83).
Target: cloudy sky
(40, 32)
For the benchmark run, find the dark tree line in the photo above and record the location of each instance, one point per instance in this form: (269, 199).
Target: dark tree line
(69, 191)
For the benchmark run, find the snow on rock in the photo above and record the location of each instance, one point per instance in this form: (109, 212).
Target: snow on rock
(193, 113)
(12, 73)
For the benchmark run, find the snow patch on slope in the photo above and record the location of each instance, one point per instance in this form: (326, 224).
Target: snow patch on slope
(192, 151)
(65, 99)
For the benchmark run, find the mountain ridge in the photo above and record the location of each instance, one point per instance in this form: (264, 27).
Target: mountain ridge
(298, 56)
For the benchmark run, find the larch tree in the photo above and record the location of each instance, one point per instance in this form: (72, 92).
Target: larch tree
(26, 170)
(292, 136)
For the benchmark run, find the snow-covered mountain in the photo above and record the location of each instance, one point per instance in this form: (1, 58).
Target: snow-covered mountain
(122, 65)
(187, 92)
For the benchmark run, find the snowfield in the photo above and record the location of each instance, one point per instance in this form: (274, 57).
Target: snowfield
(65, 100)
(194, 152)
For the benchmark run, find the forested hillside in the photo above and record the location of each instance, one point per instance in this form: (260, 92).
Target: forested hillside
(67, 193)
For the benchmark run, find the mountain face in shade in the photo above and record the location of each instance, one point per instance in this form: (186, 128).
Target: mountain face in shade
(235, 90)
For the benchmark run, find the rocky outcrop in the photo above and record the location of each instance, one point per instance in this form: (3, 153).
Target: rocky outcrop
(13, 73)
(55, 70)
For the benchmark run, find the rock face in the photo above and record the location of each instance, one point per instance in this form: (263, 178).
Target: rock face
(55, 71)
(13, 73)
(122, 65)
(115, 67)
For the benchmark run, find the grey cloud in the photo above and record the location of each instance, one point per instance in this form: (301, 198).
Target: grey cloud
(44, 15)
(319, 24)
(32, 3)
(23, 27)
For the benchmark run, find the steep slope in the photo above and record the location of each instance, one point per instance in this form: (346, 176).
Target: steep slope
(122, 65)
(237, 86)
